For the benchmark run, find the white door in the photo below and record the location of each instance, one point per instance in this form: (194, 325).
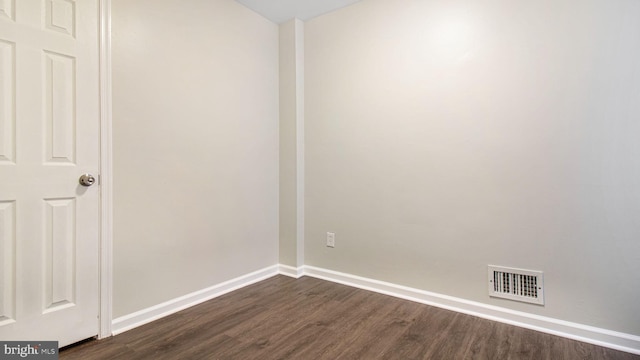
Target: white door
(49, 131)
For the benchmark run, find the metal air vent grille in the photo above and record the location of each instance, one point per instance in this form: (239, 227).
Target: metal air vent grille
(516, 284)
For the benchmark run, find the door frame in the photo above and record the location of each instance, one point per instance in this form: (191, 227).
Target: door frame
(106, 181)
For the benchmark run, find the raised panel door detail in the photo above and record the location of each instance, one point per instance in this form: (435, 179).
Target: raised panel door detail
(7, 261)
(60, 254)
(7, 102)
(61, 16)
(7, 9)
(60, 108)
(49, 137)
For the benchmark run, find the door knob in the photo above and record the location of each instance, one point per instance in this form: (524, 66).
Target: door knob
(87, 180)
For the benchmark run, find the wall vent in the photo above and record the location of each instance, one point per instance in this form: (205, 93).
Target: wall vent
(516, 284)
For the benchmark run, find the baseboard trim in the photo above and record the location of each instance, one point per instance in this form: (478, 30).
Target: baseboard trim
(585, 333)
(290, 271)
(145, 316)
(589, 334)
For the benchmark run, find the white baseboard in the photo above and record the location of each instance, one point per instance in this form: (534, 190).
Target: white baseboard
(290, 271)
(156, 312)
(589, 334)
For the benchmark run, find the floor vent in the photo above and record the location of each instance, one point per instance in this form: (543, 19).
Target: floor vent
(516, 284)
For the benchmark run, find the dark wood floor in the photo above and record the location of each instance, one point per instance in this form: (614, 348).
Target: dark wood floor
(307, 318)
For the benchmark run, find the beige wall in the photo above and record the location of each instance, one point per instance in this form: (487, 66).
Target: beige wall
(292, 143)
(195, 123)
(442, 136)
(288, 150)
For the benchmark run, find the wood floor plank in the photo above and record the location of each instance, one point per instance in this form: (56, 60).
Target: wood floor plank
(477, 346)
(378, 342)
(276, 331)
(351, 326)
(525, 344)
(308, 318)
(311, 325)
(425, 332)
(335, 325)
(450, 337)
(498, 344)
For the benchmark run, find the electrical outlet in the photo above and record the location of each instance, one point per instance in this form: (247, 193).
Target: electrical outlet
(331, 239)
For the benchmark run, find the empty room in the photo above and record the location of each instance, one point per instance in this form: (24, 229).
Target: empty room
(320, 179)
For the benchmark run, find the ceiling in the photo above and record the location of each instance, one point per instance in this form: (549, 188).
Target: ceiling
(280, 11)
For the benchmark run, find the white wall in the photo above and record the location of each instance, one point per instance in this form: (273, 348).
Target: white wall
(442, 136)
(195, 113)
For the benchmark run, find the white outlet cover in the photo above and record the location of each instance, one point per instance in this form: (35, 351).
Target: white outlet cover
(331, 239)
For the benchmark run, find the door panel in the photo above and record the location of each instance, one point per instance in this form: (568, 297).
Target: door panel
(7, 256)
(7, 103)
(49, 131)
